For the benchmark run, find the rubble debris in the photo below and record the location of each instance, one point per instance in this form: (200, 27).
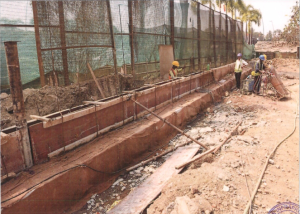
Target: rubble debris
(3, 96)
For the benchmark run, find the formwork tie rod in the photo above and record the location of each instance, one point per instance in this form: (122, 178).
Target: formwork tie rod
(170, 124)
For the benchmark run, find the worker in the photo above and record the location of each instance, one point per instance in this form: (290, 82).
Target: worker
(174, 70)
(259, 69)
(239, 64)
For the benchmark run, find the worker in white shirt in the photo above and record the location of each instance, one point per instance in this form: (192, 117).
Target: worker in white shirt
(239, 64)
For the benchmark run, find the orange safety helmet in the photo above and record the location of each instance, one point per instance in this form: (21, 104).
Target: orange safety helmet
(176, 63)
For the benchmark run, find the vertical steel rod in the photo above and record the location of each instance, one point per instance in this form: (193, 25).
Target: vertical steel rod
(226, 38)
(112, 35)
(199, 36)
(38, 44)
(63, 42)
(13, 68)
(214, 37)
(172, 25)
(131, 37)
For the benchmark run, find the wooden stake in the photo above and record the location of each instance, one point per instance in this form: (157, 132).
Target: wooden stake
(94, 77)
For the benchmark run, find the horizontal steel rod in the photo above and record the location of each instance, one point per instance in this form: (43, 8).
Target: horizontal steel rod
(71, 47)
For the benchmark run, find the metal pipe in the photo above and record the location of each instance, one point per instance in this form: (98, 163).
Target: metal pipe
(13, 68)
(170, 124)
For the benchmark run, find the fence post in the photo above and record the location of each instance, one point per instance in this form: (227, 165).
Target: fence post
(199, 36)
(131, 33)
(235, 24)
(13, 68)
(112, 36)
(220, 37)
(172, 25)
(38, 43)
(63, 42)
(226, 38)
(214, 37)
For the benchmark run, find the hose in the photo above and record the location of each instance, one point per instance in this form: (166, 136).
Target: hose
(266, 165)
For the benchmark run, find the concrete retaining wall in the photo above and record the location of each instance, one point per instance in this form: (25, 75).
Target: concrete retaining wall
(86, 122)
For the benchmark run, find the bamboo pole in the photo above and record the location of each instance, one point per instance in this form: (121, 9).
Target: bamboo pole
(179, 130)
(94, 77)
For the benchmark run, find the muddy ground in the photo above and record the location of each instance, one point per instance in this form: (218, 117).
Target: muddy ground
(222, 183)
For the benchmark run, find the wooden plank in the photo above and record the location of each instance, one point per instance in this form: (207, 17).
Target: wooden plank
(141, 196)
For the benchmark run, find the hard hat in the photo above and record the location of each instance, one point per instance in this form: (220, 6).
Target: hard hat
(176, 63)
(262, 57)
(265, 56)
(239, 54)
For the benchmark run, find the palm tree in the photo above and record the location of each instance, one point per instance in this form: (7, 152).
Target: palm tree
(249, 15)
(235, 5)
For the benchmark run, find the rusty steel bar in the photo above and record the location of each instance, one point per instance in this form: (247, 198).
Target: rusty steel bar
(220, 38)
(213, 150)
(214, 36)
(112, 37)
(226, 38)
(195, 158)
(199, 35)
(63, 42)
(72, 47)
(13, 68)
(170, 124)
(131, 37)
(172, 25)
(235, 30)
(38, 44)
(229, 136)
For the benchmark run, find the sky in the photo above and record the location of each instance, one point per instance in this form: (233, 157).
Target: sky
(274, 12)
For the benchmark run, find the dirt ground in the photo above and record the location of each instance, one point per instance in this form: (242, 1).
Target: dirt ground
(222, 183)
(268, 46)
(50, 99)
(222, 180)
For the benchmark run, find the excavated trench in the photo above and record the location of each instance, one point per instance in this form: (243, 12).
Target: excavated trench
(63, 184)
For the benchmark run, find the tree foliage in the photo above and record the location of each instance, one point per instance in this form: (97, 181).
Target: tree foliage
(290, 32)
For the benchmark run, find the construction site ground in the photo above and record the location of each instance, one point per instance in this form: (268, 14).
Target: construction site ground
(222, 183)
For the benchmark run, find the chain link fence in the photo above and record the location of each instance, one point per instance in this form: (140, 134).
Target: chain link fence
(58, 38)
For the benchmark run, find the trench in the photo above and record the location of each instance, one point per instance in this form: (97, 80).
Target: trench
(102, 159)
